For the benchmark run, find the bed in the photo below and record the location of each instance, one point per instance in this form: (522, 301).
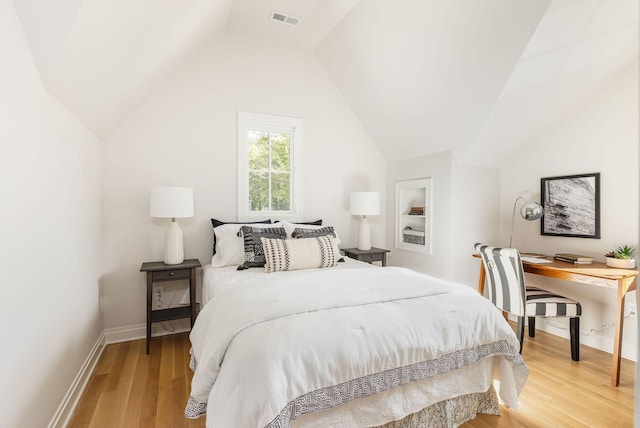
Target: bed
(347, 345)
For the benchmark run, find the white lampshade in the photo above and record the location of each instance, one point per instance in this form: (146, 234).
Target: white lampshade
(365, 203)
(172, 202)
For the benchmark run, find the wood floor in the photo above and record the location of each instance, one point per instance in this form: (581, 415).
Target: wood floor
(132, 389)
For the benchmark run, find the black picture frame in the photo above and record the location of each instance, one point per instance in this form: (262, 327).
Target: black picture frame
(571, 206)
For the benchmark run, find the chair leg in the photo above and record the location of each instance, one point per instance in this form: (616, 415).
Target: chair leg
(574, 328)
(532, 326)
(520, 331)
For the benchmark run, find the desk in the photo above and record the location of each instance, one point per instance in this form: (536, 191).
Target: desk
(598, 274)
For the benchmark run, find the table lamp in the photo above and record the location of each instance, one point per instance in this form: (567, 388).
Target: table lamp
(172, 202)
(364, 204)
(530, 211)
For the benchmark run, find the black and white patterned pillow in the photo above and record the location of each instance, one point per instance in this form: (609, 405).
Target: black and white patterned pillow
(253, 250)
(300, 232)
(294, 254)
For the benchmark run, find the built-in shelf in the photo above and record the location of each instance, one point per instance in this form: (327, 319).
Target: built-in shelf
(413, 231)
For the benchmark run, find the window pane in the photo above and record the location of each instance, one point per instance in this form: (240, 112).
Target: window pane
(280, 192)
(280, 152)
(258, 191)
(258, 150)
(269, 167)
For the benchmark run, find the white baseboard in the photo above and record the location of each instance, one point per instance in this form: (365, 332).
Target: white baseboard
(65, 410)
(596, 341)
(113, 335)
(139, 331)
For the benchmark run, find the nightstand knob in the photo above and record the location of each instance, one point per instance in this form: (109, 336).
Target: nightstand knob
(172, 273)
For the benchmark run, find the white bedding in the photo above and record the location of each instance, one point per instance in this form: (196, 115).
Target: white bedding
(319, 345)
(216, 280)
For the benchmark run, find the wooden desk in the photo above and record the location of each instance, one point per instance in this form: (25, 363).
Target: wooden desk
(598, 274)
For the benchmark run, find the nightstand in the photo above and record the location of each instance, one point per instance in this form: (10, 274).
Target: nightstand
(160, 272)
(369, 256)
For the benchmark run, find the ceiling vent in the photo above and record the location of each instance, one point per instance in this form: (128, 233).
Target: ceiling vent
(285, 19)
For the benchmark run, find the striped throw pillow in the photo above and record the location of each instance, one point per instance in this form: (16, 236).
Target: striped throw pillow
(303, 253)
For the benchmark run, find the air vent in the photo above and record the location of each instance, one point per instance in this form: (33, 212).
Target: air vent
(285, 19)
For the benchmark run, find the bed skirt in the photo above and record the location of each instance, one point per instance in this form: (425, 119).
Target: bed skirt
(451, 413)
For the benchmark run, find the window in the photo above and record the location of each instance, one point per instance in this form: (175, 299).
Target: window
(269, 167)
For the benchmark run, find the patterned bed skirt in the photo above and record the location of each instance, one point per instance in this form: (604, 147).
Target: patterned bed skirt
(451, 413)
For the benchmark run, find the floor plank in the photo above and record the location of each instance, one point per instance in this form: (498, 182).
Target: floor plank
(561, 392)
(132, 389)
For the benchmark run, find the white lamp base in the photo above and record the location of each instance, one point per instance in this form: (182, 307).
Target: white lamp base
(364, 235)
(173, 244)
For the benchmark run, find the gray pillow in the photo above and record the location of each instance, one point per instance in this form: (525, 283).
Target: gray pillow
(300, 232)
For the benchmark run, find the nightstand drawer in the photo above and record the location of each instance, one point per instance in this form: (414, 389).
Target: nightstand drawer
(370, 257)
(170, 275)
(367, 256)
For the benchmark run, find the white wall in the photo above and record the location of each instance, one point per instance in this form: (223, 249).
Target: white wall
(50, 246)
(602, 136)
(185, 134)
(465, 201)
(438, 168)
(475, 208)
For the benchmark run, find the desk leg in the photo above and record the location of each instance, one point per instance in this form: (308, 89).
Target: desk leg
(481, 279)
(617, 338)
(624, 285)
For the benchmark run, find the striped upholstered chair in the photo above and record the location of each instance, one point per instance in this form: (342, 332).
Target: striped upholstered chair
(507, 290)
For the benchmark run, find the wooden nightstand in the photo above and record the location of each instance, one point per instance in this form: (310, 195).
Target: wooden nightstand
(159, 272)
(369, 256)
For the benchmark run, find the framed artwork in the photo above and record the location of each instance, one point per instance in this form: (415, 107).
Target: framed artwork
(571, 206)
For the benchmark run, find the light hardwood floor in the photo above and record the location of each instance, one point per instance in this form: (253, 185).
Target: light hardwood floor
(132, 389)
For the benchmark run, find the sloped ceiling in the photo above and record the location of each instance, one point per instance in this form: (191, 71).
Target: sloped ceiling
(422, 76)
(479, 77)
(578, 47)
(101, 58)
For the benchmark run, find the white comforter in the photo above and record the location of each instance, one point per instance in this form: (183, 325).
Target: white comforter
(279, 345)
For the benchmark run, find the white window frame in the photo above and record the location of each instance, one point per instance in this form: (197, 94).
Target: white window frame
(270, 123)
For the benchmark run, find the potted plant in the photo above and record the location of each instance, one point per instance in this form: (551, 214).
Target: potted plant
(622, 257)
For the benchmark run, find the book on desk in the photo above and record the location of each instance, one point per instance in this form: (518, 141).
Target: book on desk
(573, 258)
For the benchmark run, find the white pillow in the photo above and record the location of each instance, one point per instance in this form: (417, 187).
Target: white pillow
(230, 246)
(290, 227)
(304, 253)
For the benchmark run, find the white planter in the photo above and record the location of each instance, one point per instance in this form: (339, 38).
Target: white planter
(621, 263)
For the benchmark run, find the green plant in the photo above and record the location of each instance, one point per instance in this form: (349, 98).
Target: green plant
(623, 251)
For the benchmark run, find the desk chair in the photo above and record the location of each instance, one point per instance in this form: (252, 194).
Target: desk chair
(507, 290)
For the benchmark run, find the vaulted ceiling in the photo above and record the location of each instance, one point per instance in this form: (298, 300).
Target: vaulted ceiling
(476, 76)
